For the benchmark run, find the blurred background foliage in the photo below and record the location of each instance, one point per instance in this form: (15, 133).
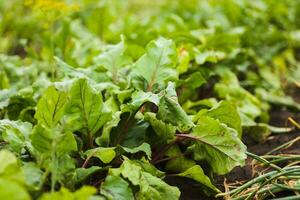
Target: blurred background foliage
(240, 50)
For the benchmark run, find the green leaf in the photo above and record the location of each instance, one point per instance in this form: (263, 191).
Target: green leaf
(84, 193)
(164, 132)
(150, 187)
(12, 190)
(178, 163)
(52, 147)
(16, 133)
(170, 111)
(113, 59)
(196, 173)
(86, 108)
(157, 65)
(105, 154)
(33, 175)
(116, 188)
(9, 168)
(217, 144)
(226, 113)
(46, 141)
(4, 81)
(50, 107)
(209, 56)
(145, 147)
(80, 174)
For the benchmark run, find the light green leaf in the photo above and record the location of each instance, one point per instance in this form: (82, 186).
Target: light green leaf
(105, 154)
(209, 56)
(84, 193)
(226, 113)
(113, 59)
(12, 190)
(4, 81)
(9, 168)
(217, 144)
(116, 188)
(86, 108)
(33, 175)
(150, 187)
(157, 65)
(50, 107)
(45, 140)
(16, 133)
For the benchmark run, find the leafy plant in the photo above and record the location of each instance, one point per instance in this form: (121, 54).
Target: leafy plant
(84, 115)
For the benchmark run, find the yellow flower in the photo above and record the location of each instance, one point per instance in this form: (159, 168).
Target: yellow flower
(51, 5)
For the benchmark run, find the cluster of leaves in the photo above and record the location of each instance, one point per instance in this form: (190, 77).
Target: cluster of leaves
(110, 119)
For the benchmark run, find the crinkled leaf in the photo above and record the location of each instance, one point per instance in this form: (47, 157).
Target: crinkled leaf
(16, 133)
(217, 144)
(164, 132)
(150, 187)
(116, 188)
(170, 111)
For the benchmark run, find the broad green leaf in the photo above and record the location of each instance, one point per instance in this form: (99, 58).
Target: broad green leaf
(178, 162)
(84, 193)
(81, 174)
(157, 65)
(12, 190)
(116, 188)
(195, 80)
(217, 144)
(113, 59)
(226, 113)
(170, 111)
(145, 147)
(69, 70)
(196, 173)
(164, 132)
(9, 168)
(150, 187)
(105, 154)
(209, 56)
(46, 140)
(50, 107)
(86, 108)
(52, 148)
(16, 133)
(104, 139)
(33, 175)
